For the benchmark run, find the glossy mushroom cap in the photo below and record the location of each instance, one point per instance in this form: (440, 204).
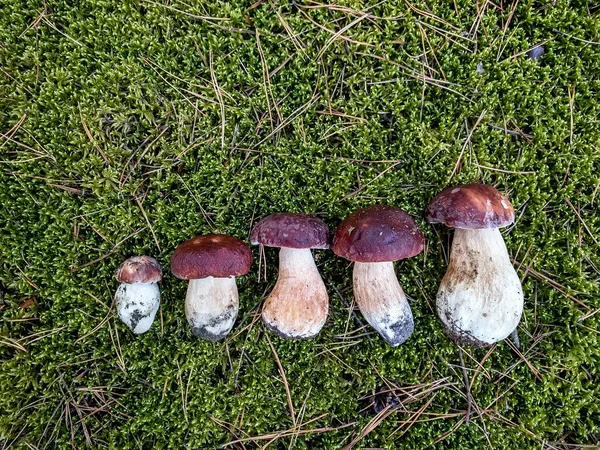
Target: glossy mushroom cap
(211, 255)
(139, 269)
(378, 234)
(291, 230)
(471, 207)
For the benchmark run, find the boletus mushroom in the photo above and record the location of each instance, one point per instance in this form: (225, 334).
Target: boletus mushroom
(211, 263)
(137, 297)
(374, 238)
(480, 299)
(297, 307)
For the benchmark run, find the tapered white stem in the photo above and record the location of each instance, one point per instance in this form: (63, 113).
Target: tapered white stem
(480, 300)
(137, 304)
(298, 305)
(211, 307)
(382, 301)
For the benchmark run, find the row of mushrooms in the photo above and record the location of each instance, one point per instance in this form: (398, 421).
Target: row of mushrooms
(479, 301)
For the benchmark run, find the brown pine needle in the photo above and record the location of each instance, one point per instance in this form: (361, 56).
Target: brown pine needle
(466, 143)
(333, 38)
(284, 379)
(352, 194)
(10, 133)
(292, 431)
(5, 340)
(493, 169)
(582, 221)
(525, 360)
(148, 222)
(185, 13)
(345, 38)
(373, 423)
(93, 141)
(215, 84)
(467, 385)
(413, 419)
(554, 284)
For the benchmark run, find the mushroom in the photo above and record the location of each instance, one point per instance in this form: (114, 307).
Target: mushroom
(137, 297)
(480, 299)
(374, 238)
(211, 263)
(297, 307)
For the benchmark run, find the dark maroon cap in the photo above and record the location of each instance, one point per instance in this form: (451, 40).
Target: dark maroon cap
(291, 230)
(211, 255)
(471, 206)
(378, 234)
(139, 269)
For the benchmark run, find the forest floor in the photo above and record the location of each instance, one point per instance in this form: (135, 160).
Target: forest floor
(127, 127)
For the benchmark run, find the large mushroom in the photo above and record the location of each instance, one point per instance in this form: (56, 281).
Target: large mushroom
(374, 238)
(297, 307)
(211, 263)
(480, 299)
(137, 297)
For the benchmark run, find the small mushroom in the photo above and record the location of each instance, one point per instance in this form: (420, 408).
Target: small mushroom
(480, 299)
(297, 307)
(374, 238)
(137, 297)
(211, 263)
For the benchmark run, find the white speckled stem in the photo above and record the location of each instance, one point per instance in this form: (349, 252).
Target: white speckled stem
(480, 299)
(211, 307)
(382, 301)
(137, 304)
(298, 305)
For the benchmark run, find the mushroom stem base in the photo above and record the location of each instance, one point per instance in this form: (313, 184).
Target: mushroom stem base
(298, 305)
(382, 301)
(211, 307)
(480, 299)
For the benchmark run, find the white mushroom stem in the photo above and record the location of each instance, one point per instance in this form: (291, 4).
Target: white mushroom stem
(480, 300)
(382, 301)
(211, 307)
(137, 304)
(298, 305)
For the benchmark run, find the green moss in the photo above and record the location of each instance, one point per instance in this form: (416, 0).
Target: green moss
(355, 125)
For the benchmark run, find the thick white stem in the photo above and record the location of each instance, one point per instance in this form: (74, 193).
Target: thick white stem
(382, 301)
(298, 305)
(137, 304)
(480, 300)
(211, 307)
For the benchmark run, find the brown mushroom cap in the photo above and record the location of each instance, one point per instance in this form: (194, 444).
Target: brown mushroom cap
(471, 206)
(139, 269)
(291, 230)
(211, 255)
(378, 234)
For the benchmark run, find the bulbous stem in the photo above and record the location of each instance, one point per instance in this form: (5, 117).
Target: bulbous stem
(480, 300)
(382, 301)
(137, 304)
(298, 305)
(211, 307)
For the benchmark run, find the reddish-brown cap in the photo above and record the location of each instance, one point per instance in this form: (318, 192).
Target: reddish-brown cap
(211, 255)
(291, 230)
(378, 234)
(139, 269)
(471, 206)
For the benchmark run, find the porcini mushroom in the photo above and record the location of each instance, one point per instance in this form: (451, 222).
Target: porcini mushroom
(297, 307)
(137, 297)
(480, 299)
(374, 238)
(211, 263)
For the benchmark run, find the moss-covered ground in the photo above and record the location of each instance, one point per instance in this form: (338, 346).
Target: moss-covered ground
(130, 126)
